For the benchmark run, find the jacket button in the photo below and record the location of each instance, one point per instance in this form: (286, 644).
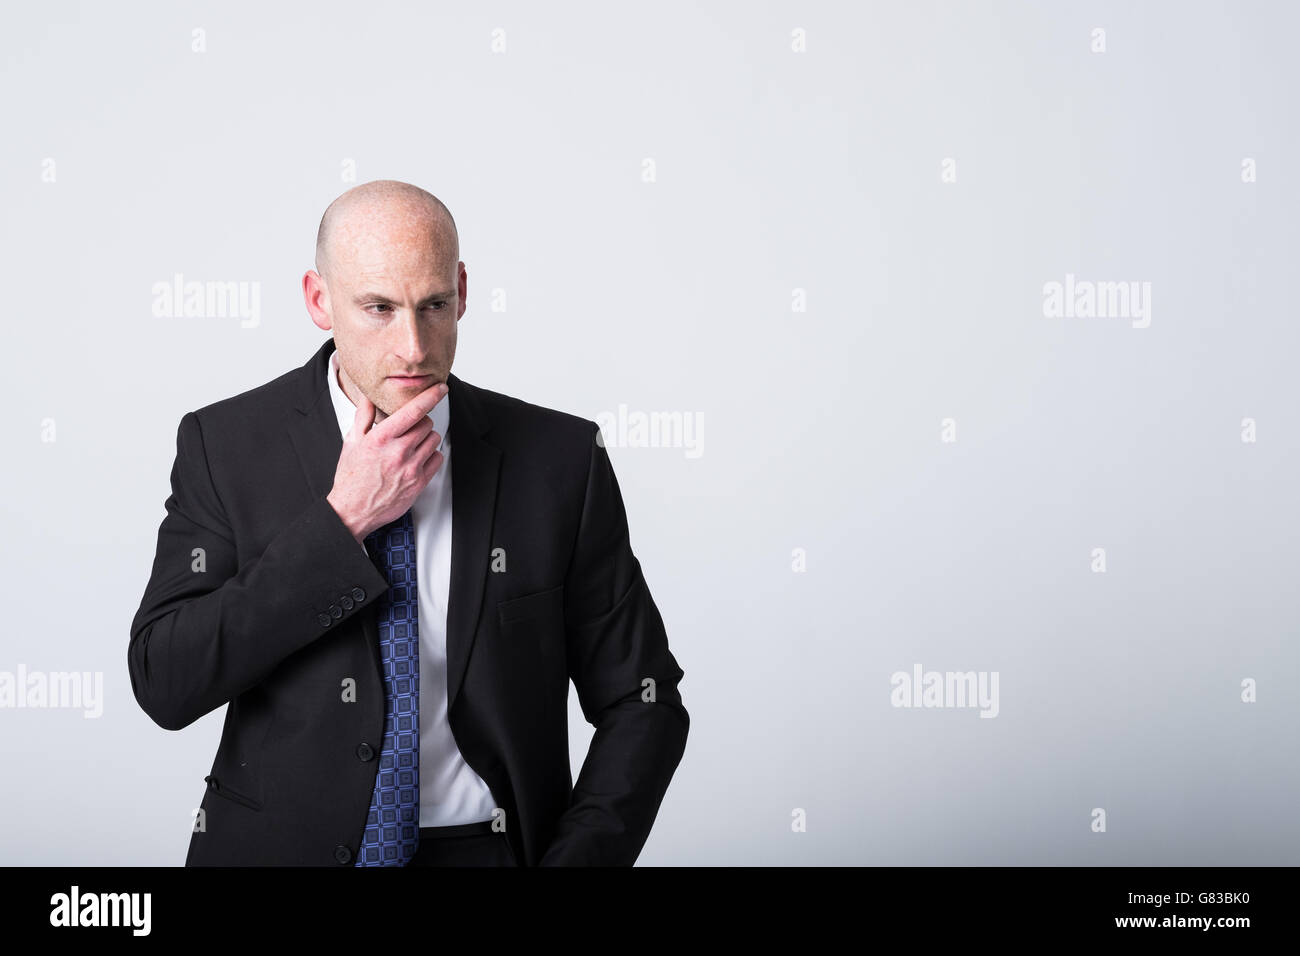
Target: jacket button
(347, 602)
(324, 620)
(358, 594)
(336, 612)
(342, 854)
(365, 751)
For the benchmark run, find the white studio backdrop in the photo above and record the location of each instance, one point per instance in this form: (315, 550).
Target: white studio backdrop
(978, 320)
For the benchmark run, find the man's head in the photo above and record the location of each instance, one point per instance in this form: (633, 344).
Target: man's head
(390, 285)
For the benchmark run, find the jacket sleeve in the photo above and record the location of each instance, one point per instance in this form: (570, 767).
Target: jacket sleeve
(207, 629)
(615, 641)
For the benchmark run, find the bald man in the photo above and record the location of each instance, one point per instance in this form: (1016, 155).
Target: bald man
(394, 628)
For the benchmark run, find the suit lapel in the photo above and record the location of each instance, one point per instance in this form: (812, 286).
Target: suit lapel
(475, 470)
(313, 426)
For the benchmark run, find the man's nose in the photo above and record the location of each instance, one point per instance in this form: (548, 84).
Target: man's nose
(409, 345)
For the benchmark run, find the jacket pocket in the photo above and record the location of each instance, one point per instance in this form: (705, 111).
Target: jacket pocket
(222, 790)
(539, 604)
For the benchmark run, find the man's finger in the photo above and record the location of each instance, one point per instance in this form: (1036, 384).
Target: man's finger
(364, 416)
(410, 413)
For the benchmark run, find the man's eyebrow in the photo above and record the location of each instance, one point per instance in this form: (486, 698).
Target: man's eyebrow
(379, 298)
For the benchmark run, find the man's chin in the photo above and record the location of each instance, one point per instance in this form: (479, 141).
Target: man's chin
(394, 396)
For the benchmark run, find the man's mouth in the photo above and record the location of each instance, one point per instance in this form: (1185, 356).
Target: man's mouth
(409, 381)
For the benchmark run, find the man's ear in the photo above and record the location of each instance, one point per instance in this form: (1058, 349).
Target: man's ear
(315, 295)
(462, 291)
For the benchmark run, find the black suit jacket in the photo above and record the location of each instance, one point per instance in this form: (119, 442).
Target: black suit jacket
(275, 614)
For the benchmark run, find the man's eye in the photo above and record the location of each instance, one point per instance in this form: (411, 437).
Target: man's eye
(436, 306)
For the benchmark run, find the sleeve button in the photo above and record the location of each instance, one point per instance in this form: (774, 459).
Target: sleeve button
(324, 620)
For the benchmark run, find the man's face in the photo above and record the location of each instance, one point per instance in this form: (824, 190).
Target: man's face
(392, 298)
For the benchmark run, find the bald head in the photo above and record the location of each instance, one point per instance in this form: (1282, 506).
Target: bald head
(382, 208)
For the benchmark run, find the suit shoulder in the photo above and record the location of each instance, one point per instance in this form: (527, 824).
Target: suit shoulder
(516, 417)
(550, 445)
(253, 410)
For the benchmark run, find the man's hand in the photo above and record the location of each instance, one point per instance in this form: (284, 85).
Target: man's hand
(384, 467)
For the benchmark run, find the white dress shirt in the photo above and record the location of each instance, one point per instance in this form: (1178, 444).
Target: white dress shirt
(450, 791)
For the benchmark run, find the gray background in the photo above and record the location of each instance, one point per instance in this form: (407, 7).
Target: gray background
(776, 171)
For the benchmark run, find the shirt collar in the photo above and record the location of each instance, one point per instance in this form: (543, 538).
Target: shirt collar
(346, 411)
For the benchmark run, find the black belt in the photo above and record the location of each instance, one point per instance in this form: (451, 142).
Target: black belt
(460, 829)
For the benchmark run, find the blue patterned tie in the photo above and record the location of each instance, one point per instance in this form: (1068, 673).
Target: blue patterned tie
(393, 825)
